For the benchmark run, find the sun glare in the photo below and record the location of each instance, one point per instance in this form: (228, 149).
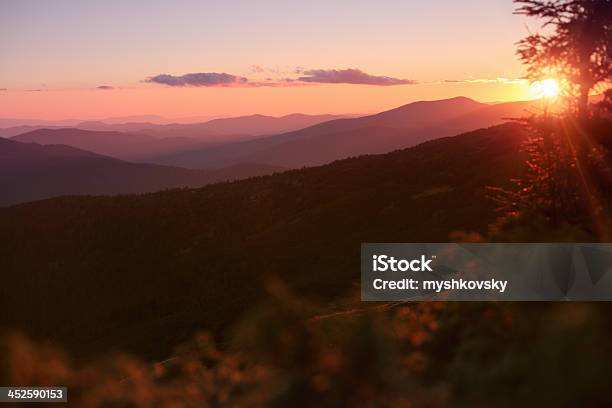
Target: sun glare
(548, 88)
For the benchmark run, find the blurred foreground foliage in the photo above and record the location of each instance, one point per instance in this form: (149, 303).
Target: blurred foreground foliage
(284, 353)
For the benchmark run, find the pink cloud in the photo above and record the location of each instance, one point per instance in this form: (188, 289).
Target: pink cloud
(199, 79)
(350, 76)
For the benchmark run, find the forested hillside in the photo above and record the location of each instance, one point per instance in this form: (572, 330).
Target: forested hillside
(142, 272)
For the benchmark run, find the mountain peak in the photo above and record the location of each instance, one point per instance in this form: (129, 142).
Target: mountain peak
(422, 112)
(440, 102)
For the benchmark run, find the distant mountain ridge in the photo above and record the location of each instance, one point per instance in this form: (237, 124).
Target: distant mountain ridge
(13, 131)
(398, 128)
(230, 141)
(215, 130)
(126, 146)
(222, 129)
(29, 171)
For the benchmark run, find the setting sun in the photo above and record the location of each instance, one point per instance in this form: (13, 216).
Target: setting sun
(548, 88)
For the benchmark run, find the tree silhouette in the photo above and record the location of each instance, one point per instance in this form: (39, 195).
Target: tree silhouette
(578, 48)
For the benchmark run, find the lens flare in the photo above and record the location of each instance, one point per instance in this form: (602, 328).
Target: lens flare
(548, 88)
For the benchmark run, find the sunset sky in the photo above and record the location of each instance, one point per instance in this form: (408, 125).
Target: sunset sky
(94, 59)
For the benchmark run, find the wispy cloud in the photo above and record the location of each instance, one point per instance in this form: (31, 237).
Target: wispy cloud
(3, 89)
(500, 80)
(257, 69)
(350, 76)
(105, 87)
(199, 79)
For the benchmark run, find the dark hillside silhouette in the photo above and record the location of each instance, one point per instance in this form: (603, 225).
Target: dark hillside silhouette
(118, 272)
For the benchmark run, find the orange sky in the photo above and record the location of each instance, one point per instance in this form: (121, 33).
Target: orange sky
(56, 55)
(180, 102)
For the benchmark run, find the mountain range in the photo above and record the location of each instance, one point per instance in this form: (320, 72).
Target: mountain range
(397, 128)
(29, 171)
(215, 130)
(253, 125)
(66, 161)
(121, 145)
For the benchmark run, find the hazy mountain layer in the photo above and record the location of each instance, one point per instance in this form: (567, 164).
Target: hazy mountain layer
(398, 128)
(29, 171)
